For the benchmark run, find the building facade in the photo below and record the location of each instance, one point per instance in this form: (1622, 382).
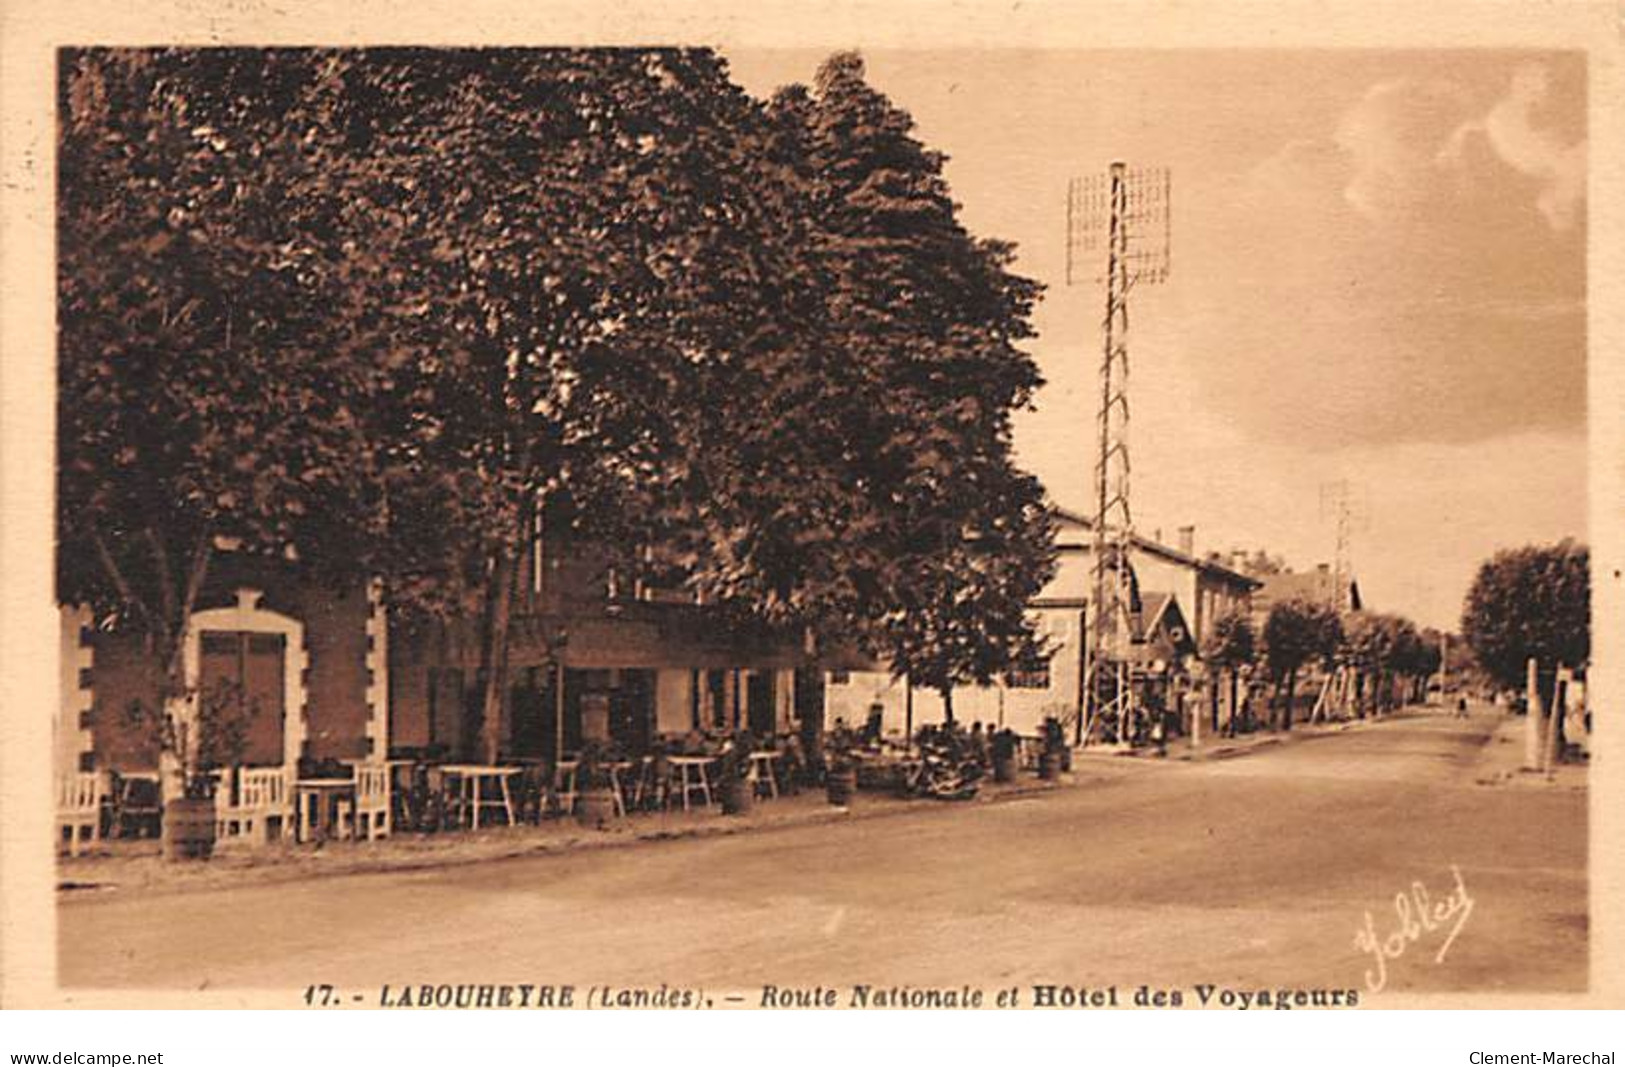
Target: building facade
(1180, 598)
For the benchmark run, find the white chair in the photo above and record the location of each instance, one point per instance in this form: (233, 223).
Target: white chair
(79, 808)
(262, 809)
(370, 818)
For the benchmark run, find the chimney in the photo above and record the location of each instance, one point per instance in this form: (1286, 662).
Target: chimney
(1187, 540)
(1323, 568)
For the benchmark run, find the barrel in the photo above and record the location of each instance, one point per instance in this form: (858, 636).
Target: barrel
(189, 828)
(841, 784)
(736, 795)
(595, 808)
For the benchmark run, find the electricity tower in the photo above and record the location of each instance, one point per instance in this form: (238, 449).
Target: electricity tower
(1337, 500)
(1125, 214)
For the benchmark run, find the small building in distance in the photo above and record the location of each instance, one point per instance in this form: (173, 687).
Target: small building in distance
(1318, 586)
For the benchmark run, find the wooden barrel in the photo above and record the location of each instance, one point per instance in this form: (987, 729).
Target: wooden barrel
(736, 795)
(189, 828)
(1004, 770)
(841, 784)
(595, 808)
(1049, 765)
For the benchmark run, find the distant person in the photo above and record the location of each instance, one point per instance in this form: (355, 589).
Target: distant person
(1461, 707)
(872, 728)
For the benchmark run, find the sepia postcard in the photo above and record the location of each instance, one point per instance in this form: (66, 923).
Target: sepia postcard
(826, 506)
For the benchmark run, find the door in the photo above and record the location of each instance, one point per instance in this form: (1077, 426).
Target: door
(761, 704)
(240, 679)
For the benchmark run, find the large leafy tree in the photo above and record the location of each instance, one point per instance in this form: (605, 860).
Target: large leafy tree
(566, 244)
(381, 307)
(1230, 646)
(1530, 603)
(563, 253)
(1296, 633)
(205, 398)
(925, 322)
(1388, 654)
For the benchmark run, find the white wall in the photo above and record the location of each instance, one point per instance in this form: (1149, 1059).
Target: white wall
(1023, 710)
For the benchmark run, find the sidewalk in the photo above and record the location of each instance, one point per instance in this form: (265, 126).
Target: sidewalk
(1501, 763)
(125, 866)
(1224, 747)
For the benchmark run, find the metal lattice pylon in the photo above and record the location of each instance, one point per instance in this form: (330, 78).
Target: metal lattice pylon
(1125, 214)
(1338, 499)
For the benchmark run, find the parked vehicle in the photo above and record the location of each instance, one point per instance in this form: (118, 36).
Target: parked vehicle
(948, 767)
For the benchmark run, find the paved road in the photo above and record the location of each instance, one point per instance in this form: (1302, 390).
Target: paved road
(1255, 871)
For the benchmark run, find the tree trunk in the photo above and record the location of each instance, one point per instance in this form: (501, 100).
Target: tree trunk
(1291, 694)
(1213, 701)
(166, 626)
(1235, 697)
(947, 703)
(494, 654)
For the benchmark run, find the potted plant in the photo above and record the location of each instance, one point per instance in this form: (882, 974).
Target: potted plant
(197, 750)
(595, 790)
(1006, 749)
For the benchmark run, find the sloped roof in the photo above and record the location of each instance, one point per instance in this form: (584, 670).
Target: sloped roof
(1156, 548)
(1315, 586)
(1160, 616)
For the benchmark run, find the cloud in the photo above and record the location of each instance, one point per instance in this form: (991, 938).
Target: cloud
(1397, 279)
(1511, 131)
(1392, 138)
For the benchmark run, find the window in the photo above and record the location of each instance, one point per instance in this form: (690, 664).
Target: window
(840, 677)
(1034, 676)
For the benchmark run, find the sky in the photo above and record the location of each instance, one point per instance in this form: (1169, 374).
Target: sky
(1377, 278)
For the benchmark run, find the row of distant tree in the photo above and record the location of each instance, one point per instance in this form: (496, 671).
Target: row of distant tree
(1391, 659)
(1531, 603)
(389, 307)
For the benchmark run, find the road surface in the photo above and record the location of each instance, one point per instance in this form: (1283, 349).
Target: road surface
(1257, 871)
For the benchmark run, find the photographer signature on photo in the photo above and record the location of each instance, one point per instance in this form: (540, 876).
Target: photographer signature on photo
(1418, 915)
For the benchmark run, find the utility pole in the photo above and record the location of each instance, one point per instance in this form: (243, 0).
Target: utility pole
(1127, 212)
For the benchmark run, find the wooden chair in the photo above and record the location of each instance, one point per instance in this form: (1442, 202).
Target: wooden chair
(137, 803)
(79, 808)
(259, 810)
(372, 815)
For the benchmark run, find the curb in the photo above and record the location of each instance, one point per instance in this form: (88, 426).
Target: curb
(69, 887)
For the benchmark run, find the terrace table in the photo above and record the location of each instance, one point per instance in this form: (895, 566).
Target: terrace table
(762, 769)
(564, 783)
(471, 781)
(316, 802)
(615, 783)
(693, 775)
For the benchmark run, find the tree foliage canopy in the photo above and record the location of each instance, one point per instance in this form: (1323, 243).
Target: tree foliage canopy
(1298, 632)
(373, 307)
(1232, 643)
(1532, 602)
